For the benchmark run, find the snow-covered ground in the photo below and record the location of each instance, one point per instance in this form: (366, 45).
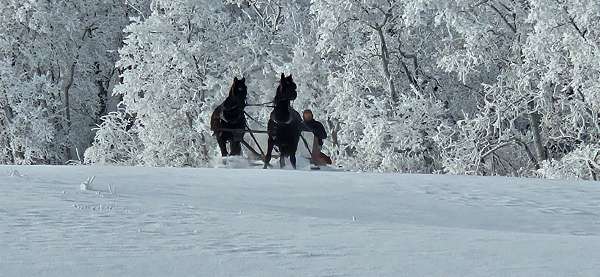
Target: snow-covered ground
(249, 222)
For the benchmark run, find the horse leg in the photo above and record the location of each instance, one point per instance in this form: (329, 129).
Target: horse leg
(293, 160)
(269, 151)
(222, 146)
(281, 161)
(236, 148)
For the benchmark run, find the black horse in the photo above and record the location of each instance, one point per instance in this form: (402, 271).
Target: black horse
(285, 124)
(228, 120)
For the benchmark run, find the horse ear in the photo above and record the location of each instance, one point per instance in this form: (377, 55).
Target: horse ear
(282, 76)
(290, 77)
(243, 80)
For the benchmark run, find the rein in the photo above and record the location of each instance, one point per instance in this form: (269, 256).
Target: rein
(234, 120)
(266, 104)
(256, 120)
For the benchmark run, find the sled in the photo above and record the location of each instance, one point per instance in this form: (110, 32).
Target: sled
(307, 139)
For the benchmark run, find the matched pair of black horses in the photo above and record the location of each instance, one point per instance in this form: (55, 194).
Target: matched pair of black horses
(228, 121)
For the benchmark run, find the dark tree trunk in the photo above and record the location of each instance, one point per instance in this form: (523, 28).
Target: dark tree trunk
(67, 86)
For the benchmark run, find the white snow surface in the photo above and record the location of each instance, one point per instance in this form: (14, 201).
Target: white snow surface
(251, 222)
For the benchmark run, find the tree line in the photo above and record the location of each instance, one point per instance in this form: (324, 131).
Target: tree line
(490, 87)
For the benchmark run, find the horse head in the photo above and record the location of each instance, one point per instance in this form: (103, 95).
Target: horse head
(233, 107)
(286, 91)
(239, 90)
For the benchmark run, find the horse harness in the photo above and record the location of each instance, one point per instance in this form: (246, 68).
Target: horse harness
(239, 115)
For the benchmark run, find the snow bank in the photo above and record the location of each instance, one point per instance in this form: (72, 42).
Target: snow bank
(249, 222)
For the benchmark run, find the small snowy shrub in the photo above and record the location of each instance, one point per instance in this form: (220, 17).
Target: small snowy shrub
(116, 141)
(582, 163)
(397, 142)
(34, 128)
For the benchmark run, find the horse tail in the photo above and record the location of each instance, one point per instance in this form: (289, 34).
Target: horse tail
(215, 119)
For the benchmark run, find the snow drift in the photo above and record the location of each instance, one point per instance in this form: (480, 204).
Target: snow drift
(248, 222)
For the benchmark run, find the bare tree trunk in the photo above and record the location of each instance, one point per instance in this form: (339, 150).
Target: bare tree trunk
(11, 156)
(67, 86)
(592, 171)
(104, 87)
(9, 150)
(334, 127)
(9, 115)
(103, 102)
(534, 120)
(534, 123)
(385, 59)
(530, 155)
(8, 118)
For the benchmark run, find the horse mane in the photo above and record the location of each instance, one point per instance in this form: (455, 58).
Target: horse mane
(232, 88)
(278, 93)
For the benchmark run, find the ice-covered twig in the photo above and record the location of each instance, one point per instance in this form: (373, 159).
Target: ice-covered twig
(87, 184)
(15, 173)
(112, 189)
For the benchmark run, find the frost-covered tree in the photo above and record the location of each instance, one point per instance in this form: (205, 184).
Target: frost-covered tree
(562, 54)
(380, 80)
(535, 52)
(74, 46)
(31, 119)
(493, 87)
(178, 64)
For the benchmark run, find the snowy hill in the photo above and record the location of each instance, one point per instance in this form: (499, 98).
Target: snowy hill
(220, 222)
